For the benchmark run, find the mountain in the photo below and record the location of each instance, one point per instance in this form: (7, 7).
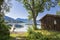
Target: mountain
(18, 20)
(27, 21)
(9, 19)
(24, 20)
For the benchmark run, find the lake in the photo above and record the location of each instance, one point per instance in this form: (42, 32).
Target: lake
(24, 28)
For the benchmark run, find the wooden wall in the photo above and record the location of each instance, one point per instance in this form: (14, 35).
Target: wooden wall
(48, 23)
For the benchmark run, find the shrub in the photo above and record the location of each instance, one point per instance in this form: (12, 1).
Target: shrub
(4, 32)
(32, 35)
(35, 35)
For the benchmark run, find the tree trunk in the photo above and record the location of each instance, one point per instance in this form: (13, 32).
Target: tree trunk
(34, 23)
(34, 16)
(34, 20)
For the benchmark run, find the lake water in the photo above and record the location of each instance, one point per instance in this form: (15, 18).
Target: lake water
(24, 28)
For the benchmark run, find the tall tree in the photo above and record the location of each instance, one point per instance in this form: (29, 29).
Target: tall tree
(34, 7)
(4, 30)
(4, 6)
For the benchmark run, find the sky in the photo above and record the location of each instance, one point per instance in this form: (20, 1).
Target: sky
(18, 11)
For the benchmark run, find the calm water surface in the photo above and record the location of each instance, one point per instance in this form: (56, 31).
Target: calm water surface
(24, 28)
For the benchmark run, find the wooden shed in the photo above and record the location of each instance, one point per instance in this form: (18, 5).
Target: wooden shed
(50, 22)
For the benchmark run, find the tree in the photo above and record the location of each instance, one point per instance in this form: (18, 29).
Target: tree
(34, 7)
(58, 2)
(4, 30)
(58, 13)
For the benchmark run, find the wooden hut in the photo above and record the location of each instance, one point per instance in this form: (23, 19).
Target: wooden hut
(50, 22)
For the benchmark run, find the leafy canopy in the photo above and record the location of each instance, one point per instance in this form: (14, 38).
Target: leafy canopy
(39, 5)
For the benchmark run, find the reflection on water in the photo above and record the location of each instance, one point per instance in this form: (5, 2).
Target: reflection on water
(24, 28)
(18, 26)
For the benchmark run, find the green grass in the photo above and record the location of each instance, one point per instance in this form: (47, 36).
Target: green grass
(18, 34)
(49, 34)
(44, 32)
(21, 35)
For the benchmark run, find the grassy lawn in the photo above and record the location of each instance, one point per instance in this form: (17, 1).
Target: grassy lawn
(21, 35)
(18, 34)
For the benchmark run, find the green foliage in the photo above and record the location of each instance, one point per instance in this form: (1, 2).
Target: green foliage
(1, 1)
(4, 29)
(4, 32)
(39, 5)
(58, 2)
(30, 30)
(58, 13)
(32, 35)
(34, 7)
(6, 5)
(35, 35)
(30, 15)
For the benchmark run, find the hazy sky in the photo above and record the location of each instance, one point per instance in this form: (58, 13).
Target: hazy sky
(18, 11)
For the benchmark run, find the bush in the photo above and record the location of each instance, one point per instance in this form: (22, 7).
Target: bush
(35, 35)
(4, 32)
(32, 35)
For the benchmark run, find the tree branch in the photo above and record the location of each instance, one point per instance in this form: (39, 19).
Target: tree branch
(29, 6)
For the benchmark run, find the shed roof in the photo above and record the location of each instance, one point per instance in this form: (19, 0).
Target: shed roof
(50, 15)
